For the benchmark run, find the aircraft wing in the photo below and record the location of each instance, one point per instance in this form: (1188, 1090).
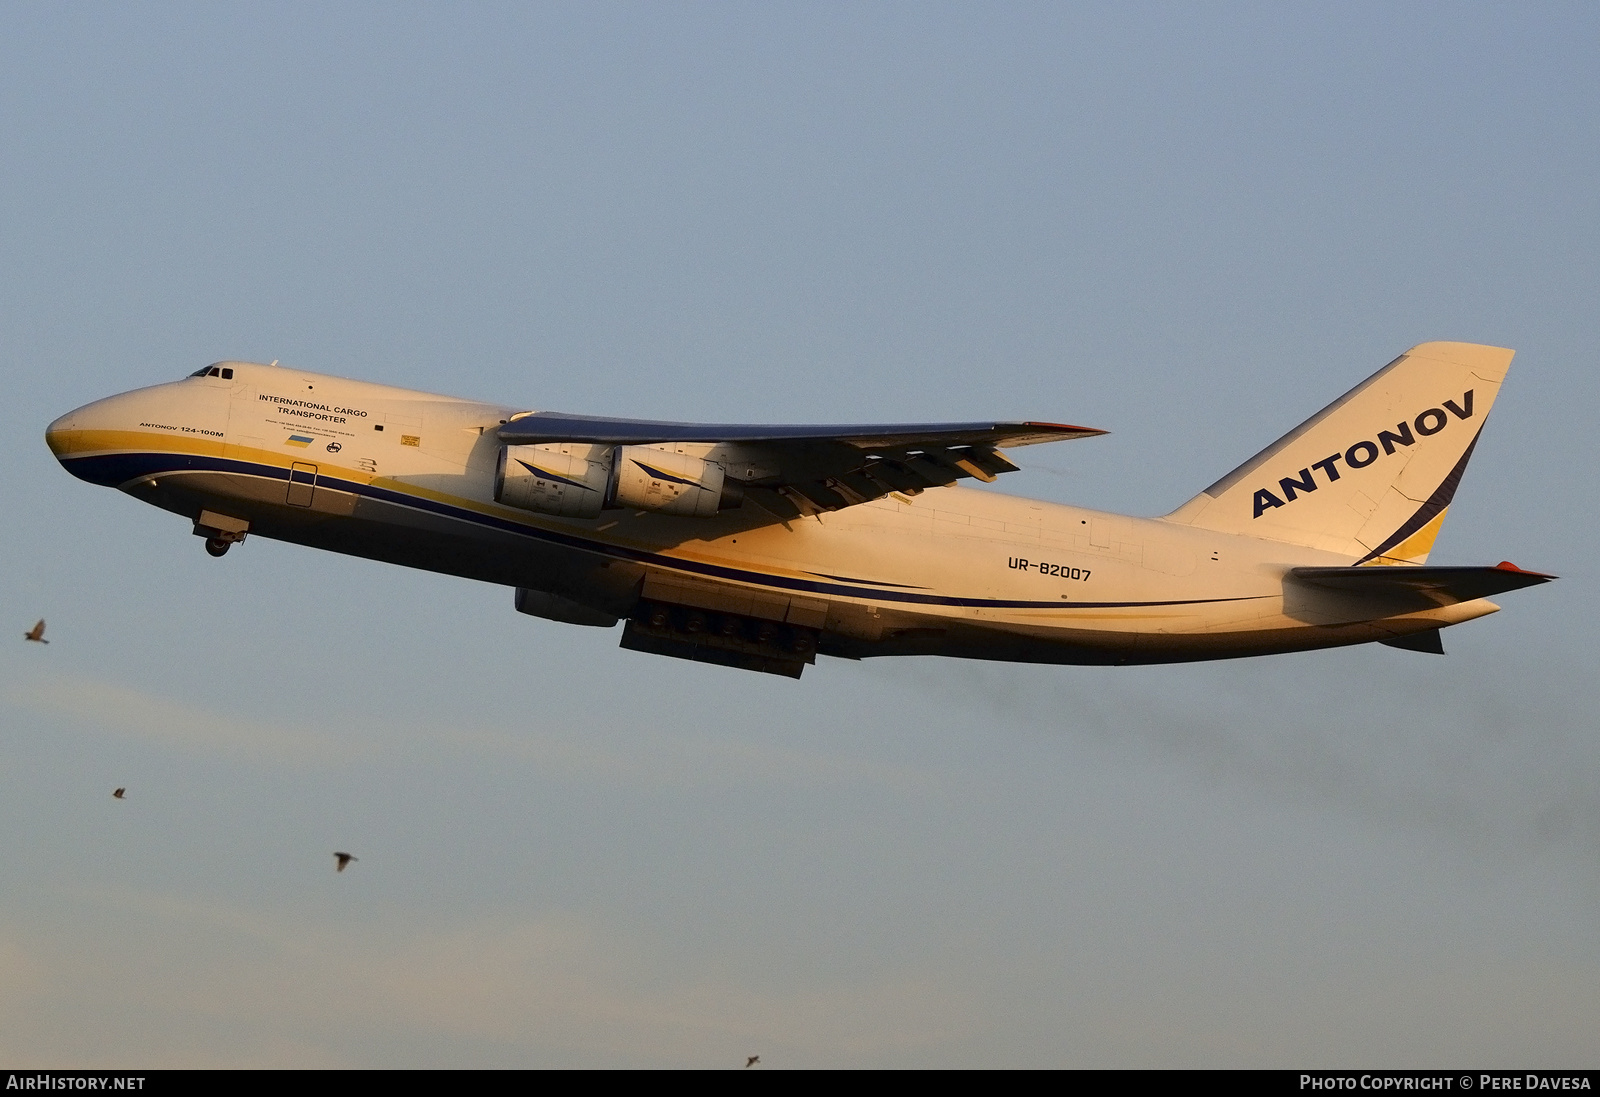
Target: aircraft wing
(795, 470)
(1439, 586)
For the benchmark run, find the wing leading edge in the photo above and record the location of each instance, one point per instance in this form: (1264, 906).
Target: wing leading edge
(554, 426)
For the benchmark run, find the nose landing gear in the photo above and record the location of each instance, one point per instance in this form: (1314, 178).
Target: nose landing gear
(220, 531)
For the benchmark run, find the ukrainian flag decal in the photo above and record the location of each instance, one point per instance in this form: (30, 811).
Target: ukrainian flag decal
(299, 440)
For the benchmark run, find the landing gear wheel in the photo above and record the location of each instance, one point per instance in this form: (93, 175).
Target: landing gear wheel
(216, 546)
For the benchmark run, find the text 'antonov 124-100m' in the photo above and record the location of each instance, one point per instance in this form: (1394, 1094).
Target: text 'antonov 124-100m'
(759, 547)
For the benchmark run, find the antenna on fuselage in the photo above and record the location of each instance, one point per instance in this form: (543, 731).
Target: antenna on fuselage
(274, 361)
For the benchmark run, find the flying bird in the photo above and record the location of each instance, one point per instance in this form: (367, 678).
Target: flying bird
(344, 859)
(752, 1061)
(36, 633)
(119, 793)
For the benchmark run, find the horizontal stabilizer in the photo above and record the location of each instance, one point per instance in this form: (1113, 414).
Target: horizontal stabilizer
(1442, 586)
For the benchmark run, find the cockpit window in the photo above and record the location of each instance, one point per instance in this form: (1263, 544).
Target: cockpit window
(227, 374)
(201, 372)
(223, 372)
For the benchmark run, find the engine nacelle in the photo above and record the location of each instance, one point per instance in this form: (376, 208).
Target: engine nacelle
(568, 479)
(647, 478)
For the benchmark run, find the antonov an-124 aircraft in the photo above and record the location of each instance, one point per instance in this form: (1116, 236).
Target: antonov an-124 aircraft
(760, 546)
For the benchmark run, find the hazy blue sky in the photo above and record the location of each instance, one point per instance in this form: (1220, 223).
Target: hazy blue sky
(1191, 225)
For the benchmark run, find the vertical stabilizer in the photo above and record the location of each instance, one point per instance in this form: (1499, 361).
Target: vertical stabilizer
(1372, 474)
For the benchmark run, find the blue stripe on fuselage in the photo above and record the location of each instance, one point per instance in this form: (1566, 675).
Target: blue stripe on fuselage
(116, 469)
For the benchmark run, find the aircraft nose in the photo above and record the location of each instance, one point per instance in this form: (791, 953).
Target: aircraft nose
(59, 434)
(82, 429)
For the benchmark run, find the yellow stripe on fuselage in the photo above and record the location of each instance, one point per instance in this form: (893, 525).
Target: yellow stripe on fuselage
(93, 442)
(86, 443)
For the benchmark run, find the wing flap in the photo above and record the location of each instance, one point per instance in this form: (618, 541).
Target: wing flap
(934, 472)
(896, 475)
(862, 485)
(774, 502)
(991, 461)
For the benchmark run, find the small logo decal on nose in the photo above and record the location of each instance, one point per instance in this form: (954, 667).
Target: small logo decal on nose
(334, 447)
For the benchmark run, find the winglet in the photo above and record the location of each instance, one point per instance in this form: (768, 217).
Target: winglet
(1507, 565)
(1068, 428)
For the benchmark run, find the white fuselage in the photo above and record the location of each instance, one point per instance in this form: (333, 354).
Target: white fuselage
(408, 477)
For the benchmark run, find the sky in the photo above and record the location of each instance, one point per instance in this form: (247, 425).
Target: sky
(1190, 225)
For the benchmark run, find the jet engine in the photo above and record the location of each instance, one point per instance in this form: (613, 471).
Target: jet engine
(672, 483)
(569, 480)
(578, 480)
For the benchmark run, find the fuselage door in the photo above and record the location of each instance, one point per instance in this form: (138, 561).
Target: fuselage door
(302, 483)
